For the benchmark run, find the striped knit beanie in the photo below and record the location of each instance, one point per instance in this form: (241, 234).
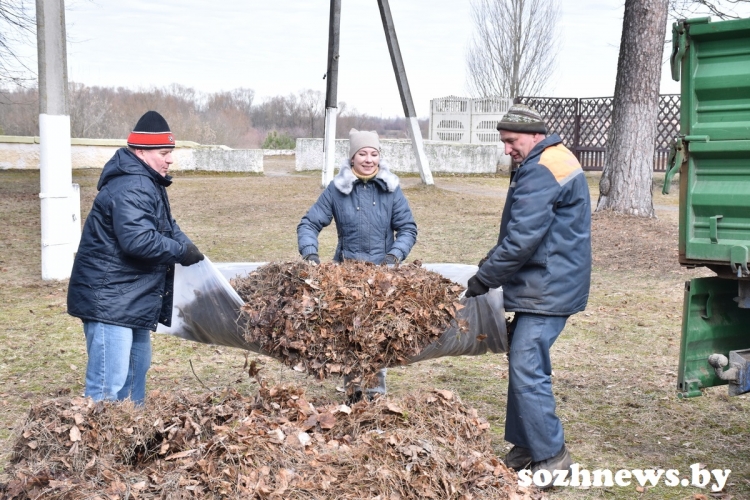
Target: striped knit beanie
(522, 118)
(151, 132)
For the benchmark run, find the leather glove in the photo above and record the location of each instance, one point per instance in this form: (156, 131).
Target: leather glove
(192, 255)
(312, 258)
(390, 260)
(475, 287)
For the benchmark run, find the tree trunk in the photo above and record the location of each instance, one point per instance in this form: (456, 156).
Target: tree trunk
(626, 186)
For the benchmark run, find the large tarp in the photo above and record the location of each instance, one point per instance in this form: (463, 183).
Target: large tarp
(207, 309)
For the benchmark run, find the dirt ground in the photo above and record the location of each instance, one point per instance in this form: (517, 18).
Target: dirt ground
(614, 365)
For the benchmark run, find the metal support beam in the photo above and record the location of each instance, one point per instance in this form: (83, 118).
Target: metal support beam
(404, 92)
(60, 209)
(332, 75)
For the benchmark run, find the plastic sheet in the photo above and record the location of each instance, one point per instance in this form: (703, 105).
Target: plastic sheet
(206, 309)
(486, 330)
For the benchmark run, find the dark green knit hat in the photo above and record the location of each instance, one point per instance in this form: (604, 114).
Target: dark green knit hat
(522, 118)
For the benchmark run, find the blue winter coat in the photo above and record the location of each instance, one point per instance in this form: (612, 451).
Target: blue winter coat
(366, 215)
(123, 273)
(543, 254)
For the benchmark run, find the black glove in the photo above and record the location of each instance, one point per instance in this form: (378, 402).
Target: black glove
(390, 260)
(192, 255)
(476, 287)
(312, 258)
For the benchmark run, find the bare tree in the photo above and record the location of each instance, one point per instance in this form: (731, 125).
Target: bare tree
(514, 47)
(230, 115)
(231, 118)
(89, 108)
(723, 9)
(19, 111)
(17, 24)
(625, 185)
(312, 107)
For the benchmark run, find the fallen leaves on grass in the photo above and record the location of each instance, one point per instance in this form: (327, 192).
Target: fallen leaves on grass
(274, 445)
(643, 245)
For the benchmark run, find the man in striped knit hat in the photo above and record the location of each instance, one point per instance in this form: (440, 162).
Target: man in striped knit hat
(123, 275)
(542, 260)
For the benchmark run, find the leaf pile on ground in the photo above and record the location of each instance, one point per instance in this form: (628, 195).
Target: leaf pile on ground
(643, 245)
(350, 318)
(275, 444)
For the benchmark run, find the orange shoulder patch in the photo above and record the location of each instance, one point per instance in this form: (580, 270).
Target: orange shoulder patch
(560, 161)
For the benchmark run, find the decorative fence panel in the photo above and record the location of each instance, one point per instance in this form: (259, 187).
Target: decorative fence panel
(450, 119)
(485, 113)
(467, 120)
(583, 125)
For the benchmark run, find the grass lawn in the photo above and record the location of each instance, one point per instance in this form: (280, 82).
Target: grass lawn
(614, 365)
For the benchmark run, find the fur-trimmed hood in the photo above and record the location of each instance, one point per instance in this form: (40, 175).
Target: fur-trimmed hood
(345, 179)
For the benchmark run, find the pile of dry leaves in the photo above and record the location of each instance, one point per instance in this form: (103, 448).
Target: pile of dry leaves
(345, 318)
(274, 445)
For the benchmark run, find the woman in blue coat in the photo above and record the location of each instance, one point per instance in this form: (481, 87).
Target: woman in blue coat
(373, 219)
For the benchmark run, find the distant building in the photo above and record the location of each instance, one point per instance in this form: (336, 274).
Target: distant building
(467, 120)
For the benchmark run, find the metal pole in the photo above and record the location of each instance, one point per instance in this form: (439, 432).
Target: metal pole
(332, 75)
(61, 225)
(405, 93)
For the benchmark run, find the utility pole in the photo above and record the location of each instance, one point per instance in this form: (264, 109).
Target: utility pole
(403, 90)
(60, 199)
(332, 75)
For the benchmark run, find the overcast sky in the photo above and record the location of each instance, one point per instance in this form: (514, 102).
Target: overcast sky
(280, 47)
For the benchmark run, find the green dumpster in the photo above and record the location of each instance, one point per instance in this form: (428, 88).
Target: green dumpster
(712, 155)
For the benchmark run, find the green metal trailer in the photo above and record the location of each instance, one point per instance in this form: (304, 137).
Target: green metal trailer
(712, 154)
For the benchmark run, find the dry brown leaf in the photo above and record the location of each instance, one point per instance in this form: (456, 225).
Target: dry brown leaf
(75, 433)
(344, 409)
(276, 436)
(447, 395)
(326, 421)
(58, 484)
(394, 409)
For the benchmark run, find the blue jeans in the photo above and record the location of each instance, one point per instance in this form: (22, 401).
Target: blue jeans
(119, 358)
(530, 420)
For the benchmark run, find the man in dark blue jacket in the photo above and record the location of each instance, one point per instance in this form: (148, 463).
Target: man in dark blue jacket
(543, 262)
(123, 275)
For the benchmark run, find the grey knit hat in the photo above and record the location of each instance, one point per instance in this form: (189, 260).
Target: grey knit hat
(362, 139)
(522, 118)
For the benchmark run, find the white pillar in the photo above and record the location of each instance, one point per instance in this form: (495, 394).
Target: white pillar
(329, 146)
(60, 202)
(59, 221)
(417, 145)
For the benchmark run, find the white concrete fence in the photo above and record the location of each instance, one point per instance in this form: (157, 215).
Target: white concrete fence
(23, 153)
(443, 157)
